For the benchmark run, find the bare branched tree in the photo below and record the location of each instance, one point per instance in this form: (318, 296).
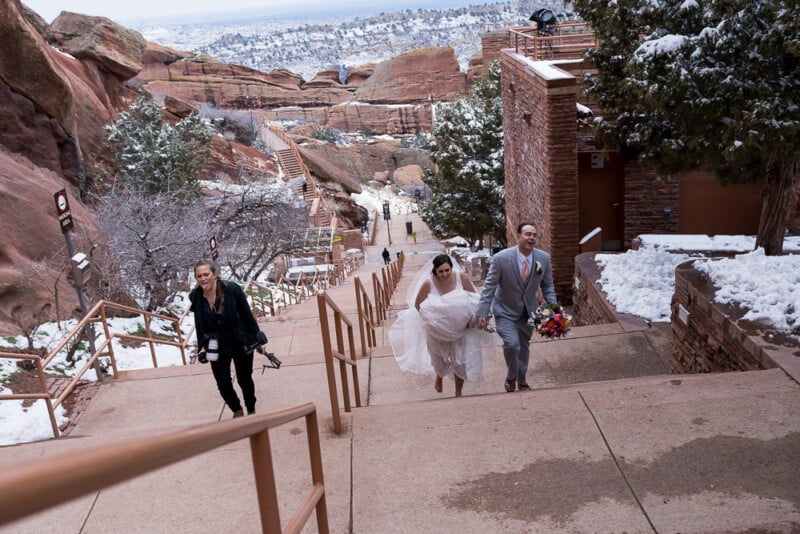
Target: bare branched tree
(153, 239)
(257, 224)
(49, 272)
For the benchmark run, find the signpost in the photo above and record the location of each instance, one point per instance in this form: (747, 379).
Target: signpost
(213, 244)
(62, 212)
(80, 266)
(387, 215)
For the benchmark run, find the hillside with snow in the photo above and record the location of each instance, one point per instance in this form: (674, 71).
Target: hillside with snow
(309, 47)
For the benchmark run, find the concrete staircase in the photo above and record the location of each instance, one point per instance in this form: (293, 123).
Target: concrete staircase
(606, 441)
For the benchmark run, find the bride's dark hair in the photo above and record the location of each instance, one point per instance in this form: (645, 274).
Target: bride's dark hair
(440, 260)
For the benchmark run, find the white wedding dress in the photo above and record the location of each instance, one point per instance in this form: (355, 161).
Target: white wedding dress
(441, 337)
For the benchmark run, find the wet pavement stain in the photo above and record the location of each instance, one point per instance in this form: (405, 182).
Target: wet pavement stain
(554, 488)
(730, 465)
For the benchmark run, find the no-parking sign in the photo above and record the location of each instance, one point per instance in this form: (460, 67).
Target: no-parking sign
(62, 211)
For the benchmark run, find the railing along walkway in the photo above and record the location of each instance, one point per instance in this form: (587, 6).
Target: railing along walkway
(570, 41)
(39, 485)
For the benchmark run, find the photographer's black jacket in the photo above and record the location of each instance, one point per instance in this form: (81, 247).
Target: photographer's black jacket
(237, 328)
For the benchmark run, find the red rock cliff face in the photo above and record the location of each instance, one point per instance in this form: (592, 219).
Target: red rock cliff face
(32, 255)
(425, 74)
(369, 97)
(53, 110)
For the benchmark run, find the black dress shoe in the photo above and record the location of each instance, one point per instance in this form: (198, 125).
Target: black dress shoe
(511, 385)
(524, 387)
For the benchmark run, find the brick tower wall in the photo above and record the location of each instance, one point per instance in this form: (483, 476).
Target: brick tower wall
(541, 162)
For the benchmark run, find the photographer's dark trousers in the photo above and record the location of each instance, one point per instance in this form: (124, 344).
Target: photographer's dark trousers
(243, 362)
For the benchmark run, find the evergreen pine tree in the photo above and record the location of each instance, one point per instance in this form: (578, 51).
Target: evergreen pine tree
(467, 186)
(152, 156)
(686, 85)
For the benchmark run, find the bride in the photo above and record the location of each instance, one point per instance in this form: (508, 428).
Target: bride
(442, 303)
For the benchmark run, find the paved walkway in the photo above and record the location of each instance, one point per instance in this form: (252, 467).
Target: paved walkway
(606, 442)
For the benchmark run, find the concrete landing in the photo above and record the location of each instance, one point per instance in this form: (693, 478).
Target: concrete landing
(666, 454)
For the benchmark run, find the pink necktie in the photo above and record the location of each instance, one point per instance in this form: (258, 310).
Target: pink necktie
(525, 271)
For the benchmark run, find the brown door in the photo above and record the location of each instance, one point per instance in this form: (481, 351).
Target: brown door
(600, 183)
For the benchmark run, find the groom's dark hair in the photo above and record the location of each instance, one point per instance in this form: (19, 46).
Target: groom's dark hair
(522, 225)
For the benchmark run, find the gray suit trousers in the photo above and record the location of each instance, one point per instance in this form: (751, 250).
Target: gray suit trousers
(516, 335)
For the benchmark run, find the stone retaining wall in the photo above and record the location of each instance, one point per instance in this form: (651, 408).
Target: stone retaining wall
(589, 304)
(707, 336)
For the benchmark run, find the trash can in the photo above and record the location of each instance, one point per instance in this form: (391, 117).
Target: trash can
(409, 231)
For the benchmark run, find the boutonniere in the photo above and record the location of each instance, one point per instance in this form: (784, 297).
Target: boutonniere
(537, 268)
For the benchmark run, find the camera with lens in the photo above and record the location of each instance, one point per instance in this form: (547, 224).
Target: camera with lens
(209, 351)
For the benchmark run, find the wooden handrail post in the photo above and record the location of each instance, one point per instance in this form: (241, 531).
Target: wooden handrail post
(264, 472)
(373, 341)
(326, 344)
(107, 331)
(48, 401)
(362, 327)
(337, 324)
(152, 345)
(356, 387)
(315, 456)
(387, 297)
(378, 296)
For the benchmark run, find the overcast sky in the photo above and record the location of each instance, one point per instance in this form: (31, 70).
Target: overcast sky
(148, 9)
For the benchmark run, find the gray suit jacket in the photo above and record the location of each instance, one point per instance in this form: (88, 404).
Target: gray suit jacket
(504, 290)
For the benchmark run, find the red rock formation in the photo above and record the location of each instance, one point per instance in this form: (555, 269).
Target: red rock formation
(54, 106)
(357, 75)
(422, 75)
(327, 171)
(325, 78)
(30, 233)
(237, 162)
(201, 79)
(53, 110)
(337, 185)
(394, 119)
(114, 47)
(476, 69)
(361, 162)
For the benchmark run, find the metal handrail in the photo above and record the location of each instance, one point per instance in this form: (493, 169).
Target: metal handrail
(45, 395)
(570, 42)
(378, 292)
(42, 484)
(323, 302)
(256, 292)
(367, 325)
(97, 314)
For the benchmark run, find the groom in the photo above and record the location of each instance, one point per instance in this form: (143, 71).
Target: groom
(510, 288)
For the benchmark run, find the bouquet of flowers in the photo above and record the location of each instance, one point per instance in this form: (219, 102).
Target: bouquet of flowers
(551, 320)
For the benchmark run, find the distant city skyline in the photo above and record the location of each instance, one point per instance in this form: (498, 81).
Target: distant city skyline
(126, 12)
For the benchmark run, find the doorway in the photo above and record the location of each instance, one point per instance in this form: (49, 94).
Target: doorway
(601, 195)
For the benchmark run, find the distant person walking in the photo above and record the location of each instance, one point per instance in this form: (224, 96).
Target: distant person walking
(510, 291)
(226, 332)
(387, 257)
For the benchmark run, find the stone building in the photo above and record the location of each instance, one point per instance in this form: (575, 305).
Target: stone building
(561, 178)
